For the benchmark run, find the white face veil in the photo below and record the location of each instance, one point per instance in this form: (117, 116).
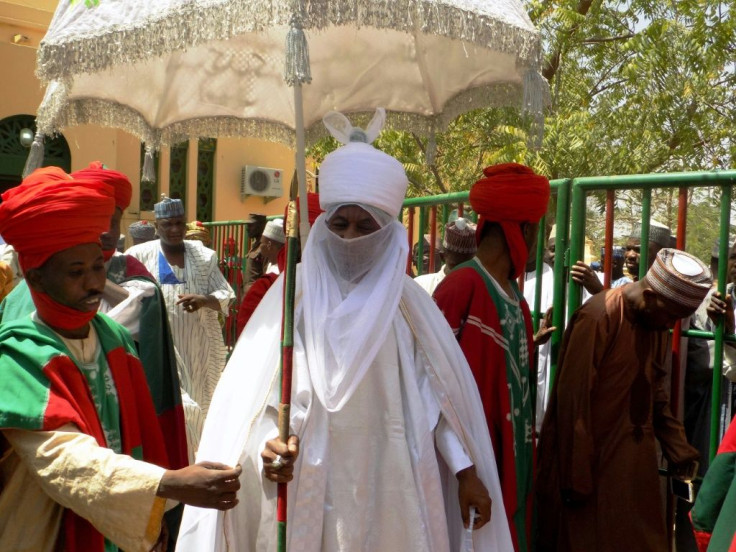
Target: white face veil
(351, 288)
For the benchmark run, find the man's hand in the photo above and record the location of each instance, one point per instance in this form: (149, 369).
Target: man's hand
(191, 302)
(546, 329)
(205, 485)
(472, 492)
(719, 307)
(582, 274)
(278, 459)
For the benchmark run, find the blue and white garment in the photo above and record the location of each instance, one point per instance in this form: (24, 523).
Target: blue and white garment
(197, 335)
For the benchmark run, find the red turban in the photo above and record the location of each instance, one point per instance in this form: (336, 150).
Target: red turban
(123, 188)
(509, 195)
(50, 211)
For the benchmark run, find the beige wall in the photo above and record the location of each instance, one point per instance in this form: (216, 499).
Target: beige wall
(21, 93)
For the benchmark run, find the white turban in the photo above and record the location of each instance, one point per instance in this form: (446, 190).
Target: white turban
(359, 173)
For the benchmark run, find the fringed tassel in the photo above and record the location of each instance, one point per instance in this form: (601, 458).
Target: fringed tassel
(35, 156)
(536, 98)
(148, 173)
(297, 68)
(431, 152)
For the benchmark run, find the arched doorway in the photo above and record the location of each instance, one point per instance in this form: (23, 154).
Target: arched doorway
(13, 153)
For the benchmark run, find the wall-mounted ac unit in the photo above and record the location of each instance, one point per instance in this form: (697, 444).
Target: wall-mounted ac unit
(260, 181)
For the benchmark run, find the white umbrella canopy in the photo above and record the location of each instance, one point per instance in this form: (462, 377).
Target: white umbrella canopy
(173, 69)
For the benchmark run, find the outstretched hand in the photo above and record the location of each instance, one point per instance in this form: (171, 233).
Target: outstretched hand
(205, 485)
(546, 329)
(278, 459)
(472, 492)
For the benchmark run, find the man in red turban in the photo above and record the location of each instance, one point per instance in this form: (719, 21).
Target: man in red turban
(131, 296)
(84, 459)
(491, 320)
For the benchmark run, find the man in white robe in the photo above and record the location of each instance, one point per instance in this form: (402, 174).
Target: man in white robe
(393, 445)
(196, 293)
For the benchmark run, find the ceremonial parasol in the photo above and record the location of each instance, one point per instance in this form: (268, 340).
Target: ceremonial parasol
(169, 70)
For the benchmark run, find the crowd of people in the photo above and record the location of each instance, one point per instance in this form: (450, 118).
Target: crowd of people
(423, 415)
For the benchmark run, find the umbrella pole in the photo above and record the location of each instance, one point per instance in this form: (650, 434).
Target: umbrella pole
(287, 355)
(300, 162)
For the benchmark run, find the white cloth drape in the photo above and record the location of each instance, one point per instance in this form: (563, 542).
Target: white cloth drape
(243, 416)
(351, 294)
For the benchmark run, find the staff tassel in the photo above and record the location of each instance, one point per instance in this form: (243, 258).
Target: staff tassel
(287, 349)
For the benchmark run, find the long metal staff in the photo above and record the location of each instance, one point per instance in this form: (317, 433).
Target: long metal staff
(287, 350)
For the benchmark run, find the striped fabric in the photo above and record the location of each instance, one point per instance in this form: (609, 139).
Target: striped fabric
(197, 336)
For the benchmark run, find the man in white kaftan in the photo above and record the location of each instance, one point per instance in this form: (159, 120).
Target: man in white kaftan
(394, 444)
(195, 292)
(543, 350)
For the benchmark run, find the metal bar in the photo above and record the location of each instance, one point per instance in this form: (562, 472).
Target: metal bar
(677, 332)
(646, 213)
(723, 247)
(454, 197)
(700, 334)
(432, 238)
(608, 241)
(420, 240)
(410, 232)
(658, 180)
(577, 244)
(562, 217)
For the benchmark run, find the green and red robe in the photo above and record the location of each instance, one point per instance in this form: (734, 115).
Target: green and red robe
(155, 348)
(42, 389)
(714, 512)
(495, 334)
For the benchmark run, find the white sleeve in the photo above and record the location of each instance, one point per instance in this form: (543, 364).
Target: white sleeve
(217, 285)
(114, 492)
(450, 447)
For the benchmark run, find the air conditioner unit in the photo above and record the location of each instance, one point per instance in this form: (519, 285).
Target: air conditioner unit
(260, 181)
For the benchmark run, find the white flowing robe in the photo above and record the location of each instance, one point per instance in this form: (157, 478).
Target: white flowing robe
(197, 335)
(368, 476)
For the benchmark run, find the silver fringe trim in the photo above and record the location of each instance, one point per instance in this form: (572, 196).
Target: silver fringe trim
(297, 69)
(536, 99)
(148, 173)
(192, 25)
(35, 156)
(63, 113)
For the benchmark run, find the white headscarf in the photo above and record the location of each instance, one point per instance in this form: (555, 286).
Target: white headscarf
(351, 288)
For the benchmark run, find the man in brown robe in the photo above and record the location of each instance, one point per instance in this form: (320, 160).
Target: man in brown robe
(598, 480)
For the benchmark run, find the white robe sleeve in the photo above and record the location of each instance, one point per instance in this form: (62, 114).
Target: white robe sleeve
(217, 285)
(450, 447)
(114, 492)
